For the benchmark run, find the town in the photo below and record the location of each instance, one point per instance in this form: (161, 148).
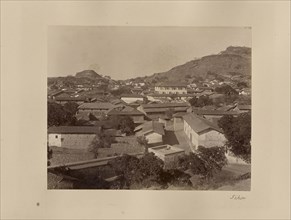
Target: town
(152, 132)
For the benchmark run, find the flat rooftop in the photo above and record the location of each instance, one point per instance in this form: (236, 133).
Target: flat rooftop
(166, 149)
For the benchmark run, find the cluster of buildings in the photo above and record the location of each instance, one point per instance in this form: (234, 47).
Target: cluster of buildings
(151, 112)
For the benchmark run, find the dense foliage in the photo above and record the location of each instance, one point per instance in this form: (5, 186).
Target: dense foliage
(123, 123)
(242, 85)
(169, 113)
(120, 91)
(61, 115)
(201, 101)
(205, 161)
(226, 89)
(101, 140)
(238, 134)
(49, 155)
(146, 171)
(141, 140)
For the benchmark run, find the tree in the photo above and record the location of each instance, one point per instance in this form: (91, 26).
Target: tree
(143, 142)
(143, 171)
(61, 115)
(238, 134)
(204, 101)
(175, 177)
(71, 107)
(242, 85)
(101, 140)
(201, 101)
(149, 170)
(126, 125)
(49, 155)
(120, 91)
(125, 166)
(169, 113)
(226, 89)
(205, 161)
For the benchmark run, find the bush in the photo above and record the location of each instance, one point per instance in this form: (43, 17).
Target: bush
(204, 162)
(201, 101)
(238, 134)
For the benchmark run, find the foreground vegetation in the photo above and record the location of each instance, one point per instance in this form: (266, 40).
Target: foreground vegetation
(148, 171)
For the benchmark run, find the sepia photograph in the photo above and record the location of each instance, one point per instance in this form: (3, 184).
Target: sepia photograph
(145, 110)
(149, 108)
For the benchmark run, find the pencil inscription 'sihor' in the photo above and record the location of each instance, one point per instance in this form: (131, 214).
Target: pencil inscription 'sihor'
(237, 197)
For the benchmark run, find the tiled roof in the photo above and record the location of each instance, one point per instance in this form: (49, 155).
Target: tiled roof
(171, 95)
(244, 107)
(97, 105)
(132, 112)
(166, 149)
(131, 96)
(54, 92)
(215, 112)
(73, 129)
(179, 114)
(70, 99)
(199, 124)
(117, 101)
(172, 84)
(153, 110)
(226, 108)
(165, 105)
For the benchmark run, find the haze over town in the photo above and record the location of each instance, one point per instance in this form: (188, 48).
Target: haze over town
(129, 52)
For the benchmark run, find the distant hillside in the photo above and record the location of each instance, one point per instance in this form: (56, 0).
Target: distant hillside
(88, 73)
(86, 77)
(234, 61)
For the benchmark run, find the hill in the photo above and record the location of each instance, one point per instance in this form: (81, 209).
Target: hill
(234, 61)
(86, 78)
(88, 73)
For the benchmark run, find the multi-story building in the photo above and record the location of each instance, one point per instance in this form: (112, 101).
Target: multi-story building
(171, 88)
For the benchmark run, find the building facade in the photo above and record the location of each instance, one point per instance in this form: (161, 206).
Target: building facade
(152, 131)
(72, 137)
(171, 88)
(132, 98)
(201, 132)
(167, 153)
(97, 109)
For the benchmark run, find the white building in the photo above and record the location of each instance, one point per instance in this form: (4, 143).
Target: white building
(202, 132)
(73, 137)
(167, 153)
(152, 131)
(130, 98)
(171, 88)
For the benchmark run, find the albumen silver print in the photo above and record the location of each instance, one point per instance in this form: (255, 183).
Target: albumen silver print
(149, 108)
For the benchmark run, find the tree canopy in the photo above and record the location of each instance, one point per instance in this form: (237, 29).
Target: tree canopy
(238, 134)
(123, 123)
(120, 91)
(200, 101)
(226, 89)
(61, 115)
(205, 161)
(141, 140)
(169, 113)
(101, 140)
(145, 170)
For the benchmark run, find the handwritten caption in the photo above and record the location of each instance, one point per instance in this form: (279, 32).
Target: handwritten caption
(237, 197)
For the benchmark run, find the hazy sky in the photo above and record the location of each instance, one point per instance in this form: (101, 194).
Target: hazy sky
(126, 52)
